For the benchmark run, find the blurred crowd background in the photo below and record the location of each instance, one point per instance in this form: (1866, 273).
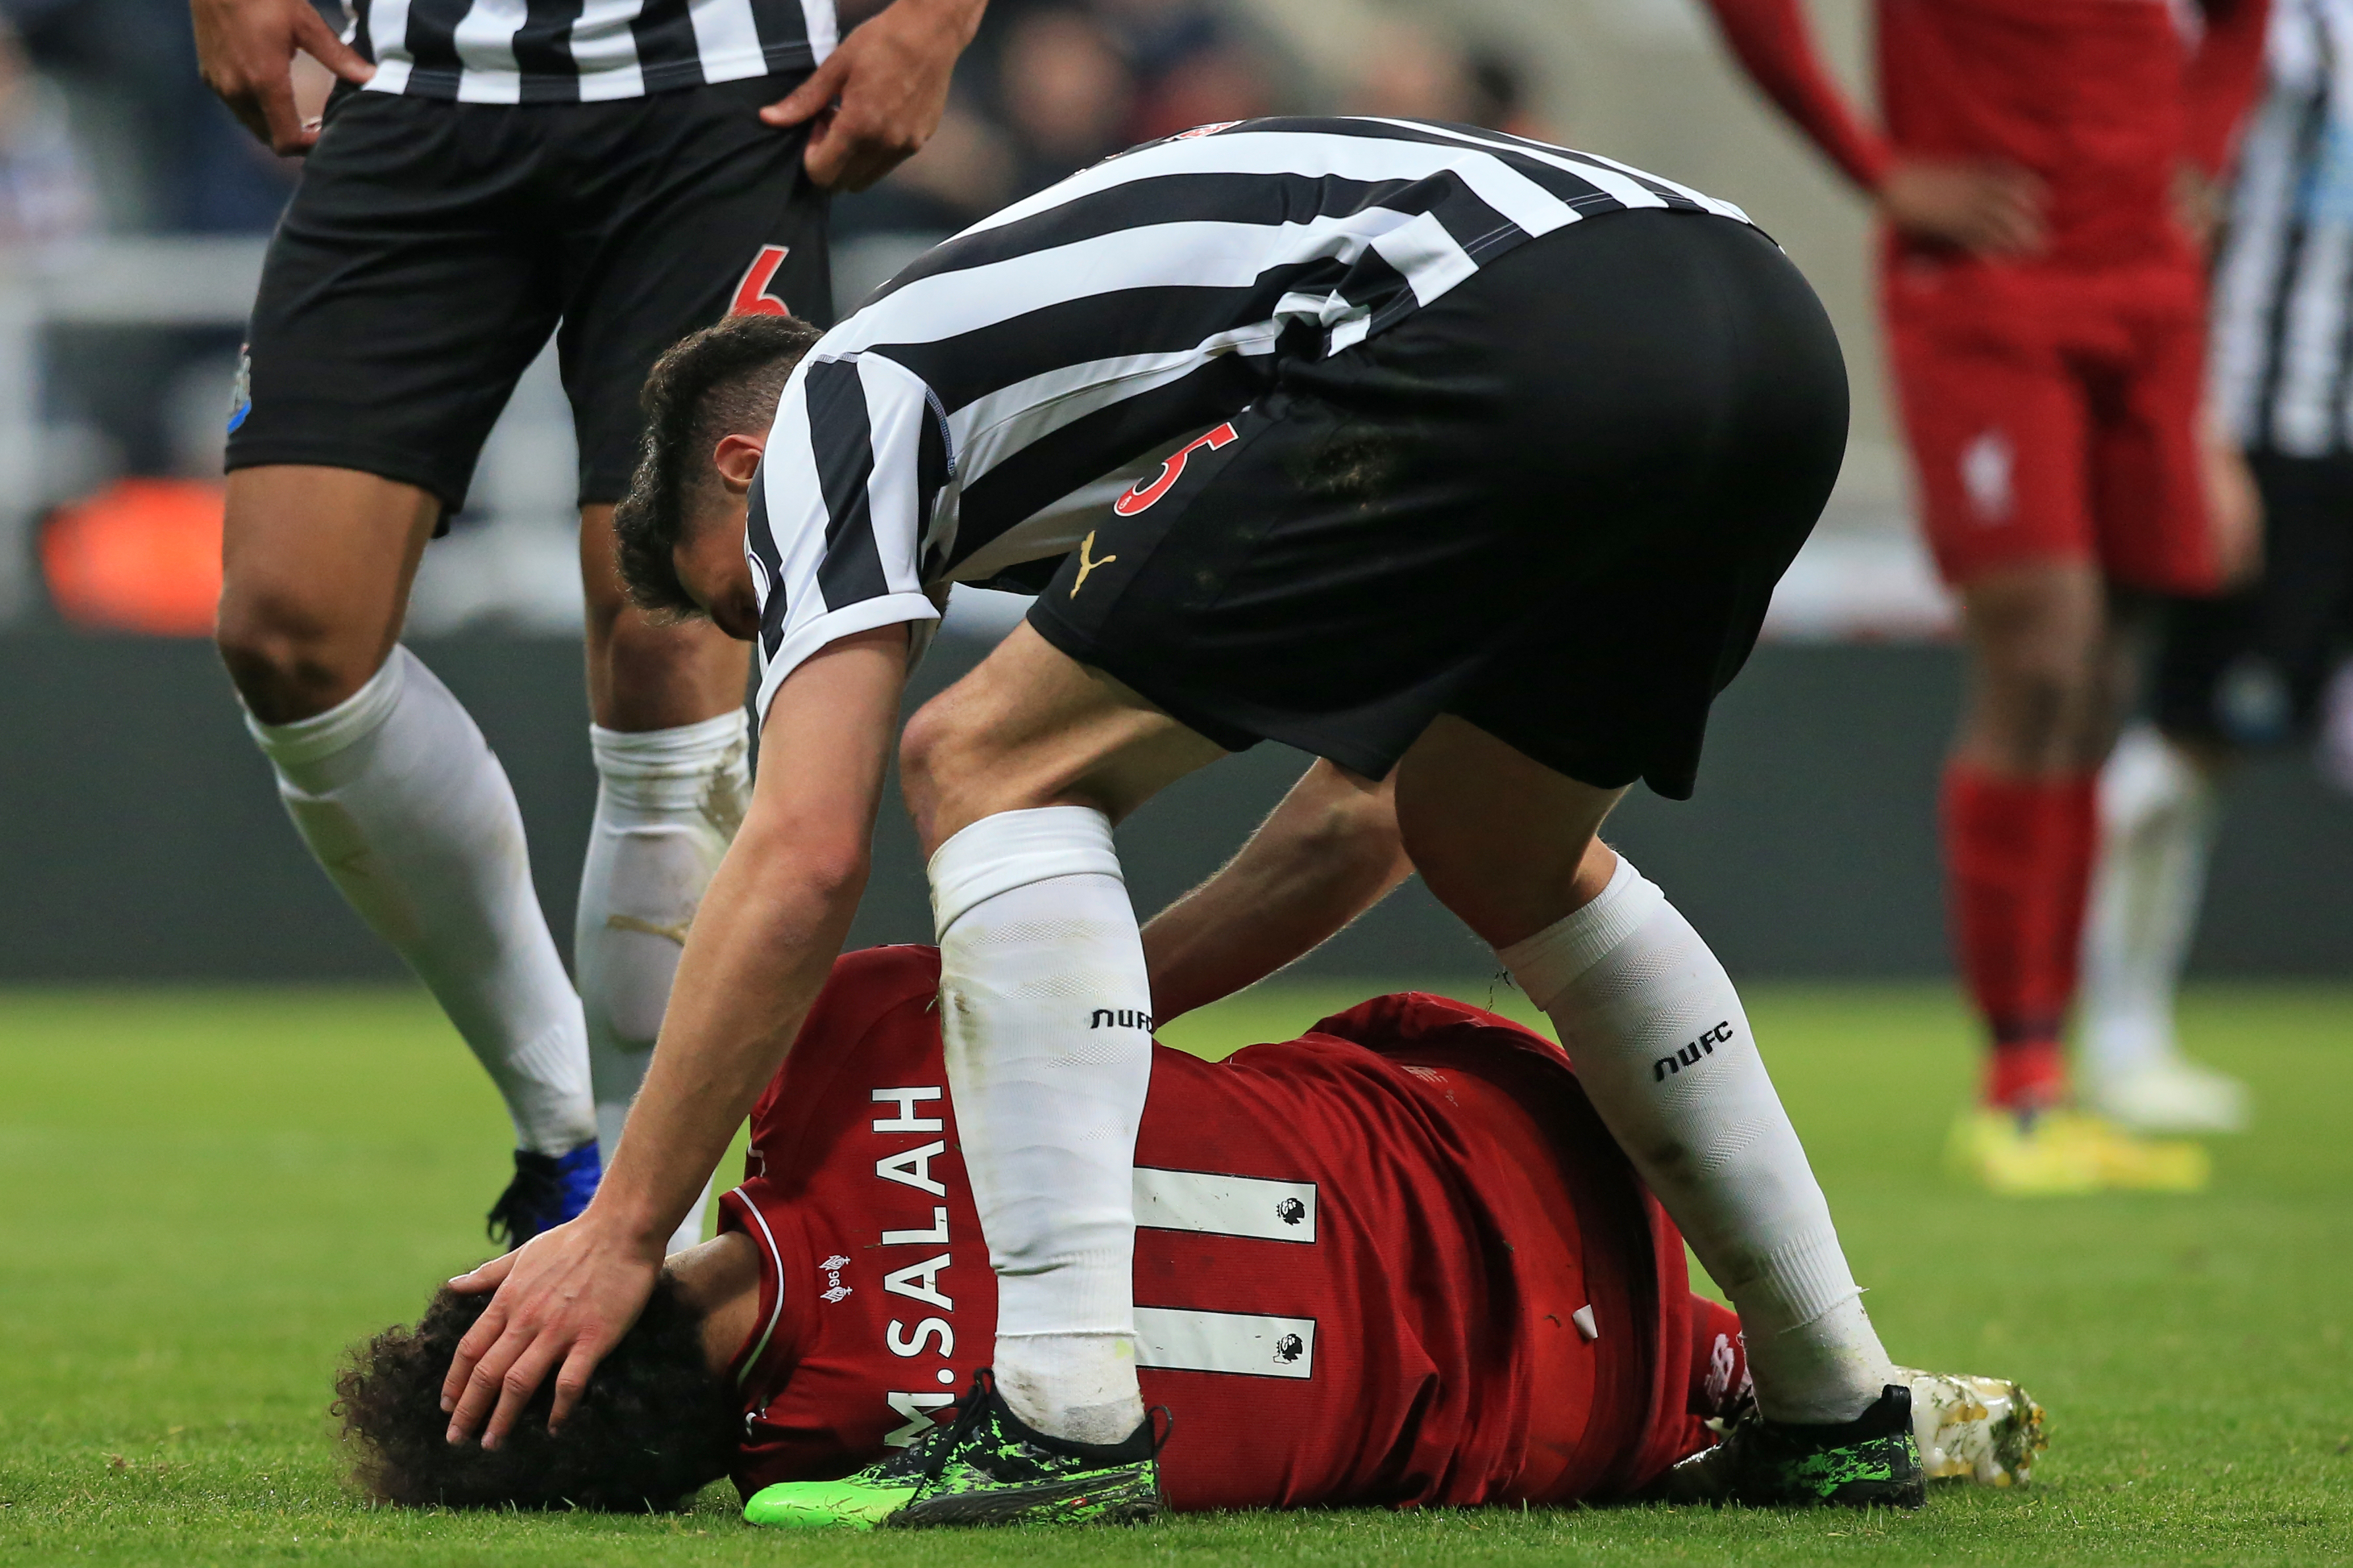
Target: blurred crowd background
(133, 211)
(132, 216)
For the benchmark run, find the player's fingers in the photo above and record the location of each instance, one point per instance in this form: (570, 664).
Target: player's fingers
(488, 1329)
(869, 162)
(519, 1384)
(486, 1277)
(811, 95)
(828, 150)
(573, 1381)
(484, 1384)
(283, 125)
(319, 41)
(249, 114)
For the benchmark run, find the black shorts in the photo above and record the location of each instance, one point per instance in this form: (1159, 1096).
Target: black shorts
(432, 247)
(2248, 669)
(1555, 503)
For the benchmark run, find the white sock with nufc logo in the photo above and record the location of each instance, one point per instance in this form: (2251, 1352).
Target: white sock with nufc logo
(1663, 1051)
(1046, 1014)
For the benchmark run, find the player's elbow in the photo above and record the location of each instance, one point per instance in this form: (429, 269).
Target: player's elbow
(1351, 827)
(799, 859)
(834, 873)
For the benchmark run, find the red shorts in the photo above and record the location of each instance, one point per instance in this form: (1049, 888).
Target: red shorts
(2055, 416)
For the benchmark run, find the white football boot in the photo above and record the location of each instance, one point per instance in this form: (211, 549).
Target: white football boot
(2166, 1094)
(1986, 1430)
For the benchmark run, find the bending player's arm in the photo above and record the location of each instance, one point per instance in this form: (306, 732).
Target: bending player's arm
(1991, 208)
(758, 954)
(878, 98)
(1329, 852)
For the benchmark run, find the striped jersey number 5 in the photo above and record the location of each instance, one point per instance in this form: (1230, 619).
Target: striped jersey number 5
(752, 296)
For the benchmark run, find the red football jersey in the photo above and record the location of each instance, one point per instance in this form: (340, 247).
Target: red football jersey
(1394, 1261)
(2103, 100)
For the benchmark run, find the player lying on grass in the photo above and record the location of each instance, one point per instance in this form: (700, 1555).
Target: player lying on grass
(1398, 1260)
(1465, 463)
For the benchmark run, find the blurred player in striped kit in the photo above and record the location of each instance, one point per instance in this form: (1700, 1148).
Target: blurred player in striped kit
(2249, 670)
(2043, 291)
(487, 175)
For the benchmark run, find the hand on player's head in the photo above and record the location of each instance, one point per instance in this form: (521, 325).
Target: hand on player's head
(655, 1426)
(709, 401)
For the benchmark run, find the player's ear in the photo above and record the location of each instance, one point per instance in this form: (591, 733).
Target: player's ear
(737, 458)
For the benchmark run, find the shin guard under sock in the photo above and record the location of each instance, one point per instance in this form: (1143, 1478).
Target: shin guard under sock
(1046, 1016)
(398, 795)
(668, 803)
(1663, 1047)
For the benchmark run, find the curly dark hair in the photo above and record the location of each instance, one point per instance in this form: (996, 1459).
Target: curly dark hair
(655, 1427)
(721, 381)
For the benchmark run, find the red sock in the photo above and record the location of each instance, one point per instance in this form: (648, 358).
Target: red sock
(2018, 856)
(1719, 1359)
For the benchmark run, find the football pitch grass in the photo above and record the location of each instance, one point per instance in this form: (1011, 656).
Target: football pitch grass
(209, 1193)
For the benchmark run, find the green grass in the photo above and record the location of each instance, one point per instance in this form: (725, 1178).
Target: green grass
(205, 1195)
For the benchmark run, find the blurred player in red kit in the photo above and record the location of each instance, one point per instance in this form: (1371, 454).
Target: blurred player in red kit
(1398, 1260)
(2041, 176)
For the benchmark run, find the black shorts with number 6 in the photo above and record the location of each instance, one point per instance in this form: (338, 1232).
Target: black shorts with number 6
(431, 248)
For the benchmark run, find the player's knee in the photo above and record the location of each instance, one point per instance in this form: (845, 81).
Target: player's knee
(2034, 704)
(928, 768)
(286, 658)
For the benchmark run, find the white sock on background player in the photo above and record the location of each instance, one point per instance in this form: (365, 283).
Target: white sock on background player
(668, 803)
(1045, 1012)
(2157, 814)
(400, 798)
(1663, 1047)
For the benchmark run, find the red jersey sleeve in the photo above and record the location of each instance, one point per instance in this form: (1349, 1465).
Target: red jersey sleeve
(1772, 40)
(2224, 76)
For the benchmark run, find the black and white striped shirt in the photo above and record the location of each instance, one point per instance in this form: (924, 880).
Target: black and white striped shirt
(2283, 326)
(976, 417)
(567, 51)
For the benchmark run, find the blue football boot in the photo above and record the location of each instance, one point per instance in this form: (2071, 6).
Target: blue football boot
(546, 1191)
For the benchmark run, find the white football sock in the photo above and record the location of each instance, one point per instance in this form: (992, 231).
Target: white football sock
(1663, 1051)
(668, 803)
(400, 798)
(2157, 815)
(1046, 1014)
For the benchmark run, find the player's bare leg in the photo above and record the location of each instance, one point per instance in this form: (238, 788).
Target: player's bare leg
(2049, 671)
(672, 749)
(393, 790)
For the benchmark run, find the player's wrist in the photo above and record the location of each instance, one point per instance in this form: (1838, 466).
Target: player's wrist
(625, 1223)
(959, 18)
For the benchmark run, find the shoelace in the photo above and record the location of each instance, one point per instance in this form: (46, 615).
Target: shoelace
(532, 1195)
(941, 1441)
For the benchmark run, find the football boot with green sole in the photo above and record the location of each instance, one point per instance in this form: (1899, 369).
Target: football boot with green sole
(986, 1467)
(1873, 1458)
